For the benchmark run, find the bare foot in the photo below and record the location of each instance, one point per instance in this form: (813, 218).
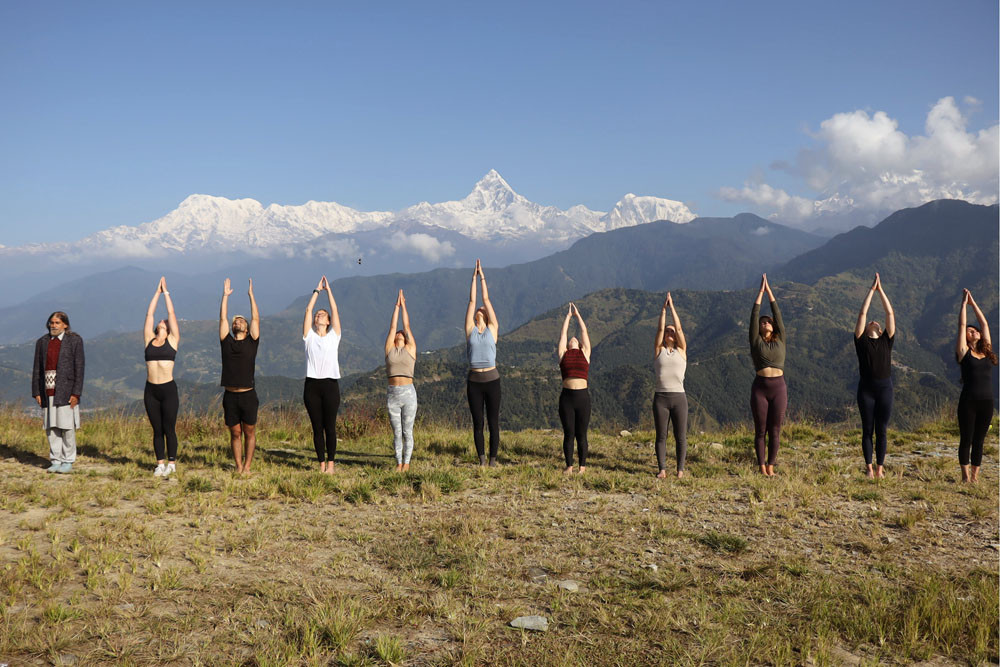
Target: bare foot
(974, 474)
(965, 474)
(322, 466)
(406, 466)
(763, 470)
(680, 473)
(770, 470)
(399, 467)
(568, 470)
(880, 472)
(870, 472)
(661, 475)
(329, 467)
(582, 470)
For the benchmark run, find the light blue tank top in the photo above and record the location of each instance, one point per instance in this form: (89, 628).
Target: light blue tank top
(482, 349)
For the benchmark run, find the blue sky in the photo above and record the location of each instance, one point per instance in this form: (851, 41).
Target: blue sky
(114, 112)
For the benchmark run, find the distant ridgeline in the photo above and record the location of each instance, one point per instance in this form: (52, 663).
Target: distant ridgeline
(925, 255)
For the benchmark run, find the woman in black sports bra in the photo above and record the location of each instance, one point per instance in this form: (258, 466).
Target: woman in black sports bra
(974, 353)
(160, 395)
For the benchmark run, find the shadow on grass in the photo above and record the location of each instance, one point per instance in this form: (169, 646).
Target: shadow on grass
(23, 457)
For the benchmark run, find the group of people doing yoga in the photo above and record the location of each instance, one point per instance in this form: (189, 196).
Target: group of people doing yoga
(321, 334)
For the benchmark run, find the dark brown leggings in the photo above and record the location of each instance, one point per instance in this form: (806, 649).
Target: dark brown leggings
(768, 400)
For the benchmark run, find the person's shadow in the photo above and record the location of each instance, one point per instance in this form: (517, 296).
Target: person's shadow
(30, 458)
(23, 457)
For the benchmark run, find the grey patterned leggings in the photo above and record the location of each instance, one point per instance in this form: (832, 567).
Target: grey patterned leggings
(402, 404)
(670, 407)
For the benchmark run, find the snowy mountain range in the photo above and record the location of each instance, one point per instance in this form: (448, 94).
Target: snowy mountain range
(493, 212)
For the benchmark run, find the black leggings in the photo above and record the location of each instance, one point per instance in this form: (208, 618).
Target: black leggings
(875, 404)
(574, 413)
(487, 393)
(974, 417)
(768, 401)
(670, 407)
(161, 407)
(322, 399)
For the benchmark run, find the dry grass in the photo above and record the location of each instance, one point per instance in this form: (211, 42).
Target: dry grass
(370, 567)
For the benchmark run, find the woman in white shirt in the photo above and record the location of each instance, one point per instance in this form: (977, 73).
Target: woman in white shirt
(321, 394)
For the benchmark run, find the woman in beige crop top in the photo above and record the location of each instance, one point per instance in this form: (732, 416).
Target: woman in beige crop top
(400, 360)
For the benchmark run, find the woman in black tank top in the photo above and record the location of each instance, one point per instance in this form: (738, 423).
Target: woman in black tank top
(160, 394)
(974, 353)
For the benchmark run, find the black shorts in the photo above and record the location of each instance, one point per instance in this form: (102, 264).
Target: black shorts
(240, 406)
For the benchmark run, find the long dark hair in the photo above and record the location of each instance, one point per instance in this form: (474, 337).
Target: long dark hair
(61, 315)
(981, 346)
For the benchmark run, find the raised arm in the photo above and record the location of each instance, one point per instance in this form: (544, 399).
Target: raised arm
(307, 321)
(961, 346)
(148, 332)
(681, 340)
(470, 312)
(584, 336)
(411, 343)
(755, 313)
(661, 327)
(564, 333)
(494, 325)
(254, 314)
(334, 313)
(175, 331)
(984, 325)
(393, 324)
(890, 316)
(779, 324)
(224, 310)
(859, 326)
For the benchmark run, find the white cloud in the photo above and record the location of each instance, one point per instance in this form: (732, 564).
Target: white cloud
(865, 163)
(424, 245)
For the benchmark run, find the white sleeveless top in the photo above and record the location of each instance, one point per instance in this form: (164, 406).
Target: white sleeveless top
(669, 367)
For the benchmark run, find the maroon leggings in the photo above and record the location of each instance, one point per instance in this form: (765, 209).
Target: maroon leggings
(768, 400)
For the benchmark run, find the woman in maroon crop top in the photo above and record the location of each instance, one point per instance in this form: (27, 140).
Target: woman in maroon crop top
(574, 401)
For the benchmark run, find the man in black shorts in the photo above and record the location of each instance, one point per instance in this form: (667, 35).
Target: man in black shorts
(239, 354)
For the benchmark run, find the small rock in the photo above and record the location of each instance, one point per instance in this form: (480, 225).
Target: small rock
(261, 623)
(67, 659)
(537, 575)
(625, 433)
(128, 606)
(568, 585)
(652, 566)
(585, 562)
(716, 447)
(537, 623)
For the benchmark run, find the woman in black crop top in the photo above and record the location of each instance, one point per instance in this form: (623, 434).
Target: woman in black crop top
(874, 349)
(974, 353)
(160, 394)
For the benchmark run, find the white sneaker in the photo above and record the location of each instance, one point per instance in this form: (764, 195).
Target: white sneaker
(171, 468)
(160, 471)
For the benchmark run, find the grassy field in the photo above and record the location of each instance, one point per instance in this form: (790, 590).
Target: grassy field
(370, 567)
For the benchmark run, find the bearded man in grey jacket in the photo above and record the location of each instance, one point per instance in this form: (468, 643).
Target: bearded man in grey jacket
(56, 385)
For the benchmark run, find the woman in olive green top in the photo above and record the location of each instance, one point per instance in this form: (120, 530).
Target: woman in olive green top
(769, 394)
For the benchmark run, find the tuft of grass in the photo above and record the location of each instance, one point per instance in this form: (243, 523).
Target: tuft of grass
(723, 543)
(908, 519)
(389, 649)
(197, 484)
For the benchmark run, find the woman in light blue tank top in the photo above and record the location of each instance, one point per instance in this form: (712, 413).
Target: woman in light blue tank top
(483, 383)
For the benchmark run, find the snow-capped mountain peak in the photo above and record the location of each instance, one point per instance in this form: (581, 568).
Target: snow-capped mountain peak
(492, 193)
(634, 210)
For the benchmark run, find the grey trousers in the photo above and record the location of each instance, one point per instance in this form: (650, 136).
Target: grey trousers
(670, 407)
(62, 445)
(402, 405)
